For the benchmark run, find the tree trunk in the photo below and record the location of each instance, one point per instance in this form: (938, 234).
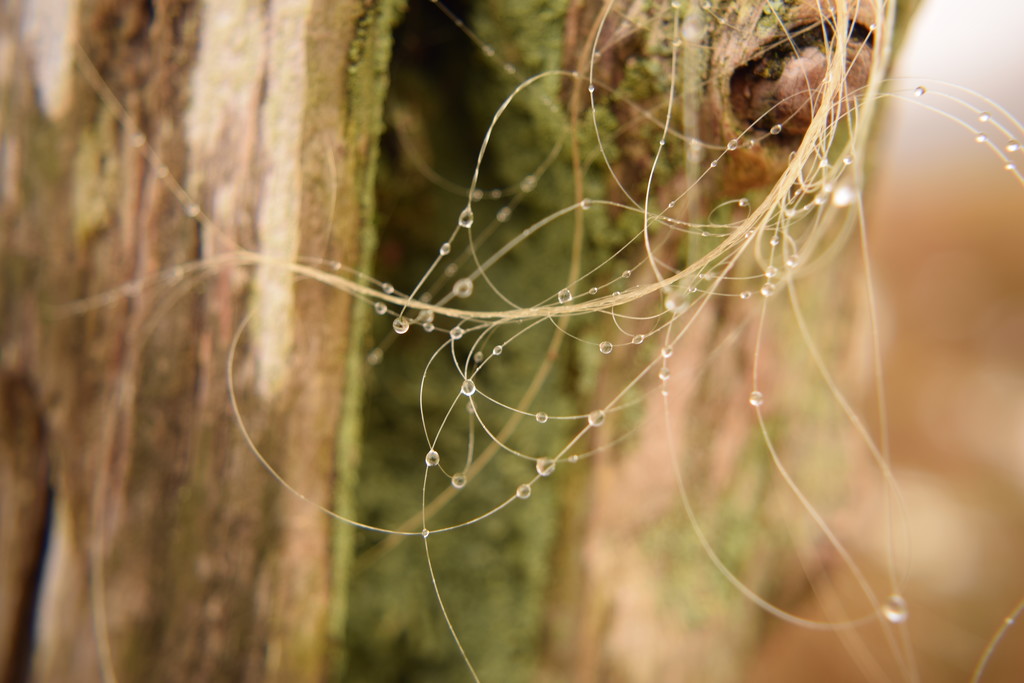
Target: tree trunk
(163, 550)
(142, 538)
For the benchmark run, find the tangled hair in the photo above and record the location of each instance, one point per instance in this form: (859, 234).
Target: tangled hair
(620, 344)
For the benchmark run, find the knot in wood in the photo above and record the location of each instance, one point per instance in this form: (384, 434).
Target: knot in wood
(785, 86)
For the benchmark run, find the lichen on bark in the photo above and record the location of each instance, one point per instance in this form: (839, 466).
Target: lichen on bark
(238, 578)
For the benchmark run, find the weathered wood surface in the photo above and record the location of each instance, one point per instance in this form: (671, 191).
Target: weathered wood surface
(170, 554)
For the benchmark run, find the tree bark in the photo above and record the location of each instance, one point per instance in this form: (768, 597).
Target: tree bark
(142, 539)
(169, 554)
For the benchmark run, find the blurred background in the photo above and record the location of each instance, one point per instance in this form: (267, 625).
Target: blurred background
(946, 224)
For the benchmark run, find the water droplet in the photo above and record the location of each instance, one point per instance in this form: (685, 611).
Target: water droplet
(1012, 146)
(162, 172)
(596, 418)
(981, 138)
(666, 351)
(984, 117)
(444, 249)
(456, 333)
(626, 274)
(478, 357)
(638, 339)
(605, 347)
(664, 374)
(374, 357)
(592, 291)
(192, 210)
(743, 203)
(458, 480)
(528, 183)
(387, 288)
(523, 491)
(756, 398)
(463, 288)
(919, 91)
(714, 163)
(541, 417)
(792, 261)
(466, 218)
(591, 89)
(732, 144)
(771, 272)
(1010, 166)
(776, 129)
(380, 308)
(847, 161)
(767, 289)
(432, 458)
(844, 195)
(468, 388)
(564, 296)
(504, 213)
(895, 609)
(774, 241)
(425, 532)
(400, 325)
(496, 351)
(545, 467)
(428, 327)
